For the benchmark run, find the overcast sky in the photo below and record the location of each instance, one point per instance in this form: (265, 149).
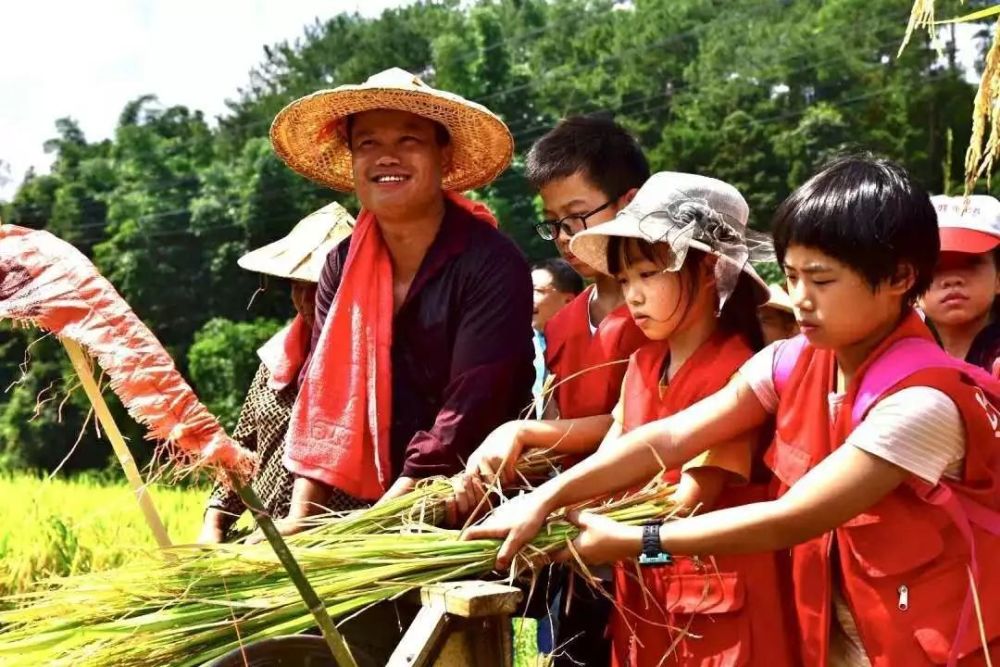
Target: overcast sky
(86, 59)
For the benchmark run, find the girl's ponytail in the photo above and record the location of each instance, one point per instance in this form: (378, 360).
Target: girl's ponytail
(739, 314)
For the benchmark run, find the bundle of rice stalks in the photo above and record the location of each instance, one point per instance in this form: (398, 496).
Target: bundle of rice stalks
(196, 603)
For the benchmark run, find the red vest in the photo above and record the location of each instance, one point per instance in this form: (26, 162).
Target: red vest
(570, 350)
(734, 609)
(903, 563)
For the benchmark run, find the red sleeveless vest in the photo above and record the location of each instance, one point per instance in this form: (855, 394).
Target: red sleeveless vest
(734, 610)
(903, 563)
(570, 349)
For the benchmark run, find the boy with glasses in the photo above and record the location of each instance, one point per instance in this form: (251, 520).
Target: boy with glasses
(587, 169)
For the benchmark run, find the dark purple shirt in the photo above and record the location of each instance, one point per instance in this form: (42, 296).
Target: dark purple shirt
(462, 354)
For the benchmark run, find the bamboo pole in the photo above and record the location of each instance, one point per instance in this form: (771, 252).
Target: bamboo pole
(341, 652)
(81, 363)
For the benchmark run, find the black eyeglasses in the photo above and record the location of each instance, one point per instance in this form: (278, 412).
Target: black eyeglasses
(549, 229)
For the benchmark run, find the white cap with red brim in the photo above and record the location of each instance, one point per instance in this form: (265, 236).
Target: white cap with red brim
(970, 225)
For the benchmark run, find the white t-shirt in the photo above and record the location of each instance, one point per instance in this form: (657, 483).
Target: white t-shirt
(918, 429)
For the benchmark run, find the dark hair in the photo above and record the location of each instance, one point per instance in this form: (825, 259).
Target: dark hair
(868, 213)
(596, 146)
(564, 278)
(441, 133)
(739, 313)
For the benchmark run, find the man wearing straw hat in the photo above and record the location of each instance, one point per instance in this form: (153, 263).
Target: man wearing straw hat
(299, 258)
(422, 342)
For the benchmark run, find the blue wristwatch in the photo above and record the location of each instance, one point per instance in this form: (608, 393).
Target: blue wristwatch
(652, 552)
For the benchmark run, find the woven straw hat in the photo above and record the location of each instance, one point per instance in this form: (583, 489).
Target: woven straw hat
(308, 136)
(301, 254)
(779, 299)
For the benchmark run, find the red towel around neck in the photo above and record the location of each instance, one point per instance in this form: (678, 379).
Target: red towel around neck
(339, 430)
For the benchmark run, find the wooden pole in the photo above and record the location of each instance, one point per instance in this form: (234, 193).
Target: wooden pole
(81, 363)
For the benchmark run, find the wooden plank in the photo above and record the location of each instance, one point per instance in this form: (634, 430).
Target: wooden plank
(420, 643)
(471, 599)
(477, 642)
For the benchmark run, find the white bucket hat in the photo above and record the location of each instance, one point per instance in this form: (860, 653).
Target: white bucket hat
(308, 134)
(301, 254)
(686, 211)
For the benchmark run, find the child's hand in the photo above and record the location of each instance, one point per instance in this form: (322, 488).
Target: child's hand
(516, 522)
(468, 500)
(602, 540)
(497, 456)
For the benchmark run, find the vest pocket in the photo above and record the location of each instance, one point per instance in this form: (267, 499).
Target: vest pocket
(707, 593)
(935, 605)
(886, 547)
(709, 607)
(788, 462)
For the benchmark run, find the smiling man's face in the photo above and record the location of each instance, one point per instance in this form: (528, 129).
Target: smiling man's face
(398, 160)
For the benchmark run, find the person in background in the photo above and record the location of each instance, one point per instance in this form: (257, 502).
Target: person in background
(556, 284)
(263, 420)
(776, 317)
(960, 304)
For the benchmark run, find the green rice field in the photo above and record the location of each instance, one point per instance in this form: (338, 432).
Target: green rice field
(60, 527)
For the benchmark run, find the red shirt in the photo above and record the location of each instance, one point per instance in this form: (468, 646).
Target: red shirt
(587, 379)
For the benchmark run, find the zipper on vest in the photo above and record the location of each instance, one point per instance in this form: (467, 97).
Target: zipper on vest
(904, 598)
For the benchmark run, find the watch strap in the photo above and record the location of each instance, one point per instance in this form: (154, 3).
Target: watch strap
(652, 552)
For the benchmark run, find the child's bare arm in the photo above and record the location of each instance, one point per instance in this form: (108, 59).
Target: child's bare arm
(634, 459)
(843, 485)
(499, 452)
